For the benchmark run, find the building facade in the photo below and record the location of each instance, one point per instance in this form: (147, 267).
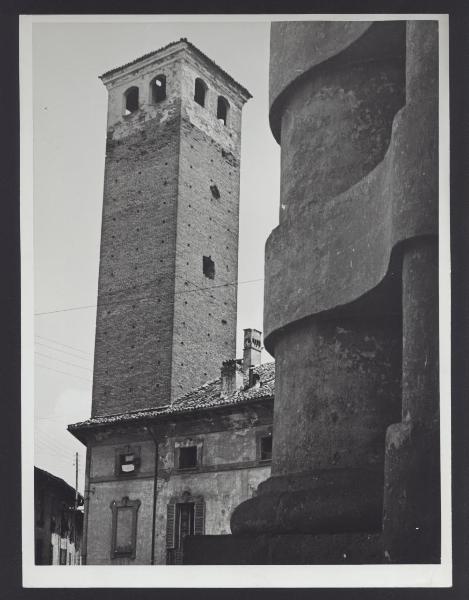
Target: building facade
(58, 521)
(158, 475)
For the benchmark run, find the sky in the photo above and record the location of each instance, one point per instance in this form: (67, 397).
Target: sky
(69, 129)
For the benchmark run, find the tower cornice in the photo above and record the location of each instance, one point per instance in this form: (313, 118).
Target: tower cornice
(173, 48)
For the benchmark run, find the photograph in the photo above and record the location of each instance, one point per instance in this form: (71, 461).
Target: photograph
(236, 300)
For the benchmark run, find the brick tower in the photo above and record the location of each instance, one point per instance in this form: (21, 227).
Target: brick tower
(166, 316)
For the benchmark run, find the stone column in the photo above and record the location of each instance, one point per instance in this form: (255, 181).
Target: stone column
(351, 303)
(411, 521)
(338, 356)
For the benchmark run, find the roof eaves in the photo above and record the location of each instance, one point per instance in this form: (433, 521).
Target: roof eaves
(194, 49)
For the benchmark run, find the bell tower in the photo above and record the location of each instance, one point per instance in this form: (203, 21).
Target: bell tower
(167, 293)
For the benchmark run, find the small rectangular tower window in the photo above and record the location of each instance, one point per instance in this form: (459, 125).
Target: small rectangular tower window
(158, 88)
(208, 267)
(222, 110)
(131, 100)
(200, 90)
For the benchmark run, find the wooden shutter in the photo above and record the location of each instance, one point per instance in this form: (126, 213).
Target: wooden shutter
(171, 526)
(199, 516)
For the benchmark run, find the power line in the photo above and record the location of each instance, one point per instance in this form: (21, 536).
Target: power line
(84, 307)
(56, 454)
(64, 373)
(62, 351)
(61, 344)
(61, 451)
(64, 361)
(44, 438)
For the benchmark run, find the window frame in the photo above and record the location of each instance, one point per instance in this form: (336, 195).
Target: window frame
(122, 450)
(185, 443)
(152, 85)
(204, 87)
(260, 435)
(174, 553)
(124, 100)
(124, 504)
(222, 101)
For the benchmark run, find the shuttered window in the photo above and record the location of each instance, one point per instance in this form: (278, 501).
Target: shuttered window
(182, 519)
(199, 517)
(171, 526)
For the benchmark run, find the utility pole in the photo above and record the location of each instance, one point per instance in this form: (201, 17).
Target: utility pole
(75, 507)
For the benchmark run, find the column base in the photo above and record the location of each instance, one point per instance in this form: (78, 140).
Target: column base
(324, 501)
(411, 523)
(293, 549)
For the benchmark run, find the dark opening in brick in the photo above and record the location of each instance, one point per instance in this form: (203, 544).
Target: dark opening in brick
(222, 109)
(158, 88)
(131, 100)
(187, 457)
(208, 267)
(200, 89)
(215, 191)
(224, 321)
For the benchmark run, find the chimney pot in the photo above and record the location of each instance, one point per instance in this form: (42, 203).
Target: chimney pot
(252, 349)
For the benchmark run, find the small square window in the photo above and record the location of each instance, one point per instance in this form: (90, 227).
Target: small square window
(266, 447)
(187, 457)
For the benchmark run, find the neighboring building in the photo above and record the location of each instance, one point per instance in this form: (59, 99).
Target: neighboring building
(58, 522)
(163, 461)
(213, 447)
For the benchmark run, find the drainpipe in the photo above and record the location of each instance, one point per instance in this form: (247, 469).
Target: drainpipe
(86, 504)
(155, 483)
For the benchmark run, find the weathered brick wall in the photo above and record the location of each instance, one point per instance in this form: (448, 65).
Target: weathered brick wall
(136, 280)
(159, 330)
(205, 309)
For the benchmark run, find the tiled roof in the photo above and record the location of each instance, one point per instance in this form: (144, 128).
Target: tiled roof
(66, 488)
(199, 53)
(207, 396)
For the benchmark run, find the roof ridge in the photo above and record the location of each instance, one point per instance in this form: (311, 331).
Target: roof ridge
(190, 45)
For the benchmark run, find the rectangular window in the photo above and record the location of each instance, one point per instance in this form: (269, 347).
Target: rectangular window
(124, 527)
(264, 444)
(63, 556)
(187, 457)
(266, 447)
(127, 461)
(183, 518)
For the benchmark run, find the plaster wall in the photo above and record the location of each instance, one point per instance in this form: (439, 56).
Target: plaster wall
(229, 473)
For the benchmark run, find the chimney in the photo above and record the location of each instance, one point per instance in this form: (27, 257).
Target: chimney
(252, 349)
(231, 376)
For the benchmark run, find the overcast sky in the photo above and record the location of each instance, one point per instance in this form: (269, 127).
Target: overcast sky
(70, 104)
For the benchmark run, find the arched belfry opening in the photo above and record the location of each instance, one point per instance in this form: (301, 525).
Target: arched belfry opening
(200, 91)
(223, 108)
(131, 100)
(158, 89)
